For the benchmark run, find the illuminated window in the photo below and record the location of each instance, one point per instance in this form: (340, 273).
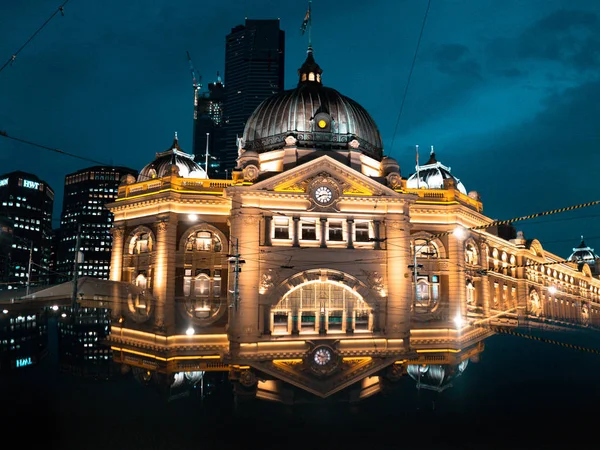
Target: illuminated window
(309, 230)
(282, 228)
(336, 231)
(361, 231)
(425, 249)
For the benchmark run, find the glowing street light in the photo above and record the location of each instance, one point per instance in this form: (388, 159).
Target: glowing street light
(459, 321)
(193, 217)
(190, 331)
(460, 232)
(552, 290)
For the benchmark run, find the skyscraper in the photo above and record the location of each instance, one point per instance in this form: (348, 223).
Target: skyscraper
(208, 125)
(254, 67)
(85, 194)
(26, 208)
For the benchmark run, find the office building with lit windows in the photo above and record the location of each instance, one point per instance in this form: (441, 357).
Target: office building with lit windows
(208, 135)
(26, 204)
(85, 194)
(254, 71)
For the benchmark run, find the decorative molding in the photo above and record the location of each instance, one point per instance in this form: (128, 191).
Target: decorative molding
(117, 232)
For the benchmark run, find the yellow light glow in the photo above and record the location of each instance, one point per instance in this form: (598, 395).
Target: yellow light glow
(291, 360)
(322, 123)
(356, 358)
(441, 350)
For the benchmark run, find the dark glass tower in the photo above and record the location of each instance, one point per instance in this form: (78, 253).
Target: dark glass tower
(26, 204)
(85, 194)
(254, 65)
(208, 125)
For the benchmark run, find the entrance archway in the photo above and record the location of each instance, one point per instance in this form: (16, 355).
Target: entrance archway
(319, 302)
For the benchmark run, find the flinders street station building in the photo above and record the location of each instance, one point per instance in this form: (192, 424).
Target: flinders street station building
(320, 269)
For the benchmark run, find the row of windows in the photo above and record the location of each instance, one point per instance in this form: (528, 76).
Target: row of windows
(310, 230)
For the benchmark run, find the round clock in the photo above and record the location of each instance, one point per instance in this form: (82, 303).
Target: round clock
(322, 356)
(323, 195)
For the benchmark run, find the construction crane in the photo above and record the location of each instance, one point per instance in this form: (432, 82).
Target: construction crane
(196, 77)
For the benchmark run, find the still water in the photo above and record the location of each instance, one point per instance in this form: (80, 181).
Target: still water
(521, 394)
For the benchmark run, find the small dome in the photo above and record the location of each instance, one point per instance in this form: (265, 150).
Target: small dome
(432, 174)
(316, 116)
(389, 165)
(436, 377)
(583, 253)
(170, 161)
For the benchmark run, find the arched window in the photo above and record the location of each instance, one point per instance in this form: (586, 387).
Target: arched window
(425, 249)
(141, 281)
(203, 241)
(140, 243)
(470, 293)
(471, 254)
(317, 306)
(427, 293)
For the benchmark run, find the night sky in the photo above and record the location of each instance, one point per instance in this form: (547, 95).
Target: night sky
(508, 91)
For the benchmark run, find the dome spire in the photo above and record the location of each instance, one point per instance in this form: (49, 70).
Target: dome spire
(432, 159)
(310, 72)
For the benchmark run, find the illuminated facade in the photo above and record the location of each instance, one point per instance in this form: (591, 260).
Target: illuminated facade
(318, 265)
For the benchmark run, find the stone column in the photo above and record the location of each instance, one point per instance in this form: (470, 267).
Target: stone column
(323, 221)
(164, 272)
(377, 234)
(296, 231)
(268, 220)
(457, 291)
(245, 230)
(350, 231)
(397, 320)
(485, 295)
(116, 257)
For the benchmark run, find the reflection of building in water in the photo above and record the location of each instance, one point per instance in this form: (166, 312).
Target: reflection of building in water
(318, 265)
(23, 336)
(81, 335)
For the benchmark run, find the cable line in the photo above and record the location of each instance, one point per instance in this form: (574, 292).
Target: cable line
(13, 57)
(412, 66)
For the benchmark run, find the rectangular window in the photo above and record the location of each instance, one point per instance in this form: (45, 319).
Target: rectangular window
(280, 322)
(282, 228)
(307, 321)
(362, 231)
(335, 321)
(336, 231)
(309, 231)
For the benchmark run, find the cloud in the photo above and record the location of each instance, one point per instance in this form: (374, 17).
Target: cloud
(569, 37)
(453, 59)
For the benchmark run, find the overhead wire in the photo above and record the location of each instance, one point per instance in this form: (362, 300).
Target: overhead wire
(412, 66)
(13, 57)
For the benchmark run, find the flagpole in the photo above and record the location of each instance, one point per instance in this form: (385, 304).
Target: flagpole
(418, 176)
(310, 24)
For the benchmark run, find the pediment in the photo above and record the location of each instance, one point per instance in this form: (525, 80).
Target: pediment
(299, 179)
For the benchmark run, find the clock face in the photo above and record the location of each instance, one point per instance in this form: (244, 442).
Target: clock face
(323, 195)
(322, 356)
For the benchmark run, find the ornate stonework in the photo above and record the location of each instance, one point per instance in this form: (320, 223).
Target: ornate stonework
(117, 232)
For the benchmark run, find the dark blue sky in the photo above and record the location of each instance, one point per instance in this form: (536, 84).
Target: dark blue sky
(508, 91)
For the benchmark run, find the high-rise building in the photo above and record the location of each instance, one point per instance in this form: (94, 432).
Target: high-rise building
(208, 126)
(85, 194)
(26, 204)
(254, 67)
